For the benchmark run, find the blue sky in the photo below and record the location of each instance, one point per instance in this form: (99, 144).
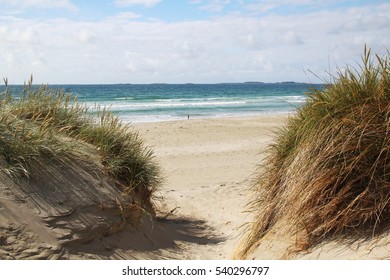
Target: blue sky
(200, 41)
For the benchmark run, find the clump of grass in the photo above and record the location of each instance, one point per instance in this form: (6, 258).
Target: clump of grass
(21, 141)
(328, 171)
(123, 153)
(42, 123)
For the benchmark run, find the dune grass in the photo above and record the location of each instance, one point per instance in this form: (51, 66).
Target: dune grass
(42, 123)
(328, 170)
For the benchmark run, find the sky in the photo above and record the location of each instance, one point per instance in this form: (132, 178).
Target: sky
(187, 41)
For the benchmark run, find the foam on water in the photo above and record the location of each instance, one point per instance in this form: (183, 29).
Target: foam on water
(165, 102)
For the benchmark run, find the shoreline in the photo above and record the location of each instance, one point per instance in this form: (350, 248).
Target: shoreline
(197, 117)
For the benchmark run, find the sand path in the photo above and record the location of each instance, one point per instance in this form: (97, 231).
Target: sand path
(208, 165)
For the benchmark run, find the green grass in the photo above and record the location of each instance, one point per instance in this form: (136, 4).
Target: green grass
(328, 170)
(44, 124)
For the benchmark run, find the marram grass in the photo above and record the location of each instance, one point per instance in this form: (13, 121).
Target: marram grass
(328, 171)
(43, 123)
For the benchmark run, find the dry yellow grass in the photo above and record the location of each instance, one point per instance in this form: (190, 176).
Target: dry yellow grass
(328, 172)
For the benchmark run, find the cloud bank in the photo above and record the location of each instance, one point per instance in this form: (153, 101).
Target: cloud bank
(233, 47)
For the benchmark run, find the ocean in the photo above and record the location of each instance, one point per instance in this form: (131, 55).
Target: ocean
(165, 102)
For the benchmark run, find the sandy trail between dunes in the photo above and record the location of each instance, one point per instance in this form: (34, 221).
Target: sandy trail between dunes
(208, 165)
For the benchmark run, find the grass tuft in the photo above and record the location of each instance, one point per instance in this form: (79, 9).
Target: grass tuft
(42, 123)
(328, 170)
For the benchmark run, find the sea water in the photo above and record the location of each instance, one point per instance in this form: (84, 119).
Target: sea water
(164, 102)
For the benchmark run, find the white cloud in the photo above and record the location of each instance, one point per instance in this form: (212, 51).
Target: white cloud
(222, 49)
(145, 3)
(124, 16)
(264, 6)
(366, 22)
(40, 4)
(86, 36)
(215, 5)
(291, 38)
(137, 63)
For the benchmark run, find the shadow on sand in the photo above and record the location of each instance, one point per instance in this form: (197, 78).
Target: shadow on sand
(161, 238)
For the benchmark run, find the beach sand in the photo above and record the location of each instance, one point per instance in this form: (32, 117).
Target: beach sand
(208, 165)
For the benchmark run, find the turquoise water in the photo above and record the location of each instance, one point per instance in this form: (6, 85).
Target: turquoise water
(164, 102)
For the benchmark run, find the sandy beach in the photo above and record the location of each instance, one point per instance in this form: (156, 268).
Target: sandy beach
(208, 164)
(208, 167)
